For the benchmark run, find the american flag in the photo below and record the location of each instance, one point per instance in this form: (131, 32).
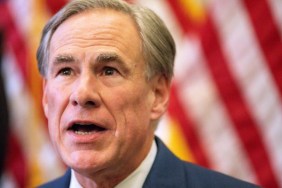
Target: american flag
(225, 111)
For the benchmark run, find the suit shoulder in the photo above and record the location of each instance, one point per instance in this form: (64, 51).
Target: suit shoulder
(168, 171)
(61, 182)
(203, 177)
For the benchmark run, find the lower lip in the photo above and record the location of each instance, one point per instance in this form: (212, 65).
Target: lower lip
(91, 137)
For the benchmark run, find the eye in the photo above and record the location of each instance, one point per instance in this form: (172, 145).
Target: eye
(65, 71)
(109, 71)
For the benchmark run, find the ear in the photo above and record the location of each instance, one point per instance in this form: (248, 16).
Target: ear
(44, 98)
(161, 86)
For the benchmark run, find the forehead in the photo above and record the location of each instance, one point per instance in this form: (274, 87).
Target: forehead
(99, 25)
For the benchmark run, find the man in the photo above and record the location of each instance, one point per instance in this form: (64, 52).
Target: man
(107, 68)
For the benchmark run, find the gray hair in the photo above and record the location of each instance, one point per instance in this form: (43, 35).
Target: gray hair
(158, 44)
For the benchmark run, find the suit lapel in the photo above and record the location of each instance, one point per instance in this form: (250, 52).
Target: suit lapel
(167, 170)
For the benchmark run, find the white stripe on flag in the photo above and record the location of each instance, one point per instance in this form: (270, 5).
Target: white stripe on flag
(201, 99)
(249, 68)
(21, 11)
(276, 8)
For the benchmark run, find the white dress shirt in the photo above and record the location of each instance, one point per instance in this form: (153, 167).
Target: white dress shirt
(136, 179)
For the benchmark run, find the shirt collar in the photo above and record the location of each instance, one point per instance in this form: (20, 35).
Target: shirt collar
(136, 179)
(74, 182)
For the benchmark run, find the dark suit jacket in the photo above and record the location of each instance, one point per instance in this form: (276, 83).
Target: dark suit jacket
(170, 172)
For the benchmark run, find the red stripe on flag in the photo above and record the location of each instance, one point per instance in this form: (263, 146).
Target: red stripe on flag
(268, 37)
(239, 112)
(16, 163)
(14, 39)
(176, 110)
(229, 91)
(55, 5)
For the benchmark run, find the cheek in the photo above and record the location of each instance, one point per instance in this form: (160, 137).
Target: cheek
(52, 115)
(57, 98)
(133, 108)
(53, 99)
(56, 102)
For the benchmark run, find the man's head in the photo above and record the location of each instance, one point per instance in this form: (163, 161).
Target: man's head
(158, 46)
(107, 68)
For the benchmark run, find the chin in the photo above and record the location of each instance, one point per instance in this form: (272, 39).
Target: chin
(84, 161)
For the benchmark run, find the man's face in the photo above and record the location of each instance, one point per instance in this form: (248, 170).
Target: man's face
(99, 106)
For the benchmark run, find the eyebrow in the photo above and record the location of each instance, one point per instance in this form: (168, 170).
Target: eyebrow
(64, 58)
(101, 58)
(108, 57)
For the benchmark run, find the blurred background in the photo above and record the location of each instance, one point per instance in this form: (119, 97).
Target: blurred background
(225, 111)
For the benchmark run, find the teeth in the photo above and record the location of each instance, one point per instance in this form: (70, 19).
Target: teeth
(82, 132)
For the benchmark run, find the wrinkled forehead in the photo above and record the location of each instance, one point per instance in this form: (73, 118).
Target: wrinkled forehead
(68, 15)
(97, 26)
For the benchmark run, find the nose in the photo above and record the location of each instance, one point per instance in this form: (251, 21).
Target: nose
(84, 93)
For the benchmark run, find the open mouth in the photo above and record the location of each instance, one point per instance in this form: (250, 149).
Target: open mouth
(85, 129)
